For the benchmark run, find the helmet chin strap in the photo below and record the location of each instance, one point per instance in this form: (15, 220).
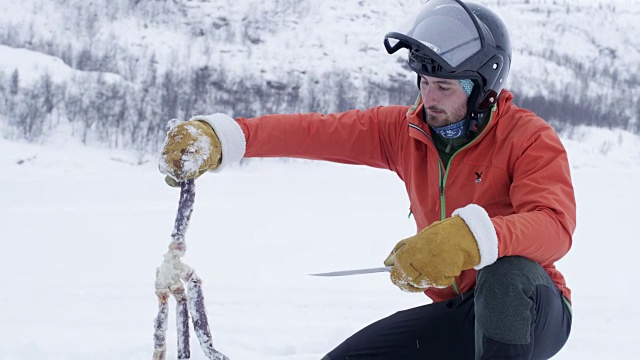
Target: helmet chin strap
(475, 121)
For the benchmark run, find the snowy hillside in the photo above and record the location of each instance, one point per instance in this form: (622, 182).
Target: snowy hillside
(84, 230)
(275, 36)
(575, 61)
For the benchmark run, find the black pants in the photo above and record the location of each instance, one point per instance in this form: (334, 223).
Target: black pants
(516, 312)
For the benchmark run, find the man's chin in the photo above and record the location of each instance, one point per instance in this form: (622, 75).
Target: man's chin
(438, 121)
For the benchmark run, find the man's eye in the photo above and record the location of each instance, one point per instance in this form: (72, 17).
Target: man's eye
(444, 88)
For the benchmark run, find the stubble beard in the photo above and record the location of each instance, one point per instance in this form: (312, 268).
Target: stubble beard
(445, 118)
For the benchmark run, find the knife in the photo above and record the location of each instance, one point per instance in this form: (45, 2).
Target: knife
(355, 272)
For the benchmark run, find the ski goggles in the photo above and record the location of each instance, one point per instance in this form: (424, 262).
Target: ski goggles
(445, 39)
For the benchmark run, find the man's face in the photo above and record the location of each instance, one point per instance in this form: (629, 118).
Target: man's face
(445, 102)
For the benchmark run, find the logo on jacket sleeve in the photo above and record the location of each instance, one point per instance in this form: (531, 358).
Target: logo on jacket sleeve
(478, 177)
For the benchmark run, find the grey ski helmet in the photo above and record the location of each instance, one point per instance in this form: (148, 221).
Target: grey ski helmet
(456, 40)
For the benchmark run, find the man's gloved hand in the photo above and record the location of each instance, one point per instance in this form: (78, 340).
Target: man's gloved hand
(190, 149)
(440, 252)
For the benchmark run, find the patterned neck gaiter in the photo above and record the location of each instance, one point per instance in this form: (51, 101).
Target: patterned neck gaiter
(451, 131)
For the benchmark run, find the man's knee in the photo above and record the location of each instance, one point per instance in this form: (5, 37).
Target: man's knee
(513, 271)
(503, 305)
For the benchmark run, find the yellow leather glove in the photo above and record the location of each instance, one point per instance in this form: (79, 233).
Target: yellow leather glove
(440, 252)
(190, 149)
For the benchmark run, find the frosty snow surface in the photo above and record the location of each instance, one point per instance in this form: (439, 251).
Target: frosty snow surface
(84, 232)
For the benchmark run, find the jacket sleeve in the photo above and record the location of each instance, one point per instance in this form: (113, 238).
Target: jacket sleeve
(543, 199)
(353, 137)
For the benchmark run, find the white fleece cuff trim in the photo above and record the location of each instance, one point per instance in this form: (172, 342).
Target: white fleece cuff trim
(481, 227)
(231, 137)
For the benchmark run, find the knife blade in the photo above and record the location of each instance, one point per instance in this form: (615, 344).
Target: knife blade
(355, 271)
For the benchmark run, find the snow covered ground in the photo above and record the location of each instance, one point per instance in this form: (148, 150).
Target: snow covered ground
(83, 231)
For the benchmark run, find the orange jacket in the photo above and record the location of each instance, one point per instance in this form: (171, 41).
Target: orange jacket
(516, 169)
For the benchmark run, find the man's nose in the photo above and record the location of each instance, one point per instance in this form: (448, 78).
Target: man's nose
(430, 97)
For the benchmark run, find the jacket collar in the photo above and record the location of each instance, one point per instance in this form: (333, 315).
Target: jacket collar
(420, 130)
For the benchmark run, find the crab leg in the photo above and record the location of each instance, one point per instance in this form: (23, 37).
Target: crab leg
(199, 317)
(159, 336)
(170, 277)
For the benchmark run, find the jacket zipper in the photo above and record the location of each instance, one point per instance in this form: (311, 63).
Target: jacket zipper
(443, 178)
(443, 213)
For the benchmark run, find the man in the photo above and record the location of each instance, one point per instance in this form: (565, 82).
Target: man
(489, 186)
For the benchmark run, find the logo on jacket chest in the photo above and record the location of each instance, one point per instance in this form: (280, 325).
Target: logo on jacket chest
(478, 177)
